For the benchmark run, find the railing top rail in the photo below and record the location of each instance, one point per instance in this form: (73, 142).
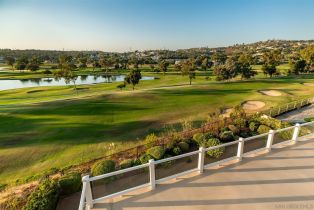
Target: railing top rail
(255, 137)
(118, 172)
(284, 129)
(308, 123)
(152, 164)
(190, 153)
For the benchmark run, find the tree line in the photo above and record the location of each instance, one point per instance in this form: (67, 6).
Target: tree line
(226, 66)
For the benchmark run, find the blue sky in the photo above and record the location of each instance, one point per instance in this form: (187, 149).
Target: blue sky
(123, 25)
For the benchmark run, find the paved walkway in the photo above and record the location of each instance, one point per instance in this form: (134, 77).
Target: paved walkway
(298, 115)
(281, 179)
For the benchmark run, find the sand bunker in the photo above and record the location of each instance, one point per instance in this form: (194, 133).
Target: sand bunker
(253, 105)
(308, 84)
(227, 112)
(271, 92)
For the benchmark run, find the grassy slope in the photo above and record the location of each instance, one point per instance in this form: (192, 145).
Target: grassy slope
(34, 138)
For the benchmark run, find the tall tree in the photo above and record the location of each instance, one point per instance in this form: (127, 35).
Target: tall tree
(178, 67)
(307, 54)
(269, 69)
(244, 66)
(64, 61)
(222, 73)
(246, 71)
(219, 58)
(134, 61)
(21, 63)
(188, 68)
(271, 60)
(66, 70)
(206, 63)
(133, 77)
(10, 61)
(105, 62)
(245, 58)
(298, 66)
(95, 63)
(83, 62)
(33, 65)
(152, 67)
(163, 66)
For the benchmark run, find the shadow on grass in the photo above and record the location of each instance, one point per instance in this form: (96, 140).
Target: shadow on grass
(201, 92)
(18, 132)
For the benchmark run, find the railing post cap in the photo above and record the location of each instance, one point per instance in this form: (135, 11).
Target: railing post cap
(298, 124)
(241, 139)
(85, 178)
(151, 161)
(201, 149)
(271, 131)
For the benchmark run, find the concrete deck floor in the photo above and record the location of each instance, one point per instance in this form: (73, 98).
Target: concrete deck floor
(281, 179)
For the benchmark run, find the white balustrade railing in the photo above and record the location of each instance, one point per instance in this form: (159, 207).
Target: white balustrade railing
(275, 111)
(87, 200)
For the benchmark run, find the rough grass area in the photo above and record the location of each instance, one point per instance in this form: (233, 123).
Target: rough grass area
(39, 136)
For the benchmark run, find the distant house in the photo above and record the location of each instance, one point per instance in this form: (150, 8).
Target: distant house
(1, 59)
(178, 61)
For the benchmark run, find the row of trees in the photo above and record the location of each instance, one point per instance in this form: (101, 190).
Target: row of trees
(234, 66)
(67, 67)
(225, 67)
(240, 64)
(303, 62)
(23, 63)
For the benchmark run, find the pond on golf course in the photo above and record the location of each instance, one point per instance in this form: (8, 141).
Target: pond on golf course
(7, 84)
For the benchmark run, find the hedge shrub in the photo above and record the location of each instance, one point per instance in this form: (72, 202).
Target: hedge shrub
(145, 158)
(240, 122)
(12, 202)
(245, 134)
(253, 126)
(309, 119)
(127, 163)
(263, 129)
(136, 162)
(200, 139)
(209, 135)
(44, 197)
(3, 187)
(272, 122)
(238, 112)
(184, 146)
(150, 140)
(215, 153)
(187, 140)
(171, 144)
(103, 167)
(173, 139)
(286, 135)
(226, 136)
(176, 151)
(156, 152)
(224, 129)
(70, 183)
(234, 129)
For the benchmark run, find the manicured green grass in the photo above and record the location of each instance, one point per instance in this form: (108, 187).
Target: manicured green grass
(102, 119)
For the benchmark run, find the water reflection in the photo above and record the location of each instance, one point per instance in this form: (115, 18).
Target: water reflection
(81, 80)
